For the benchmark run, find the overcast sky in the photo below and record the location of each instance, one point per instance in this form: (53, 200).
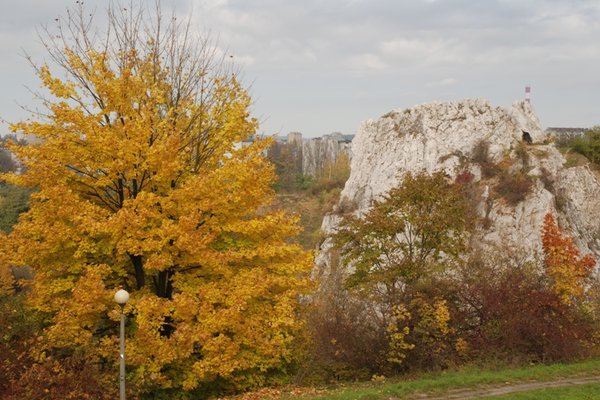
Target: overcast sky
(318, 66)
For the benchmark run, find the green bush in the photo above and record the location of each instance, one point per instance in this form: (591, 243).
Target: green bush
(13, 201)
(587, 145)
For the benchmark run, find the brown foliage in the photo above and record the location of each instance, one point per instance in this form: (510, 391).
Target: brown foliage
(430, 327)
(28, 373)
(481, 156)
(400, 252)
(64, 378)
(7, 281)
(6, 162)
(346, 343)
(511, 313)
(287, 159)
(514, 187)
(547, 180)
(334, 174)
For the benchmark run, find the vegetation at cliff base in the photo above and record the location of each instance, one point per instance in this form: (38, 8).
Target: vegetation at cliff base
(417, 297)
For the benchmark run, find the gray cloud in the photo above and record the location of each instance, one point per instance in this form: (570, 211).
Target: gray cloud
(318, 66)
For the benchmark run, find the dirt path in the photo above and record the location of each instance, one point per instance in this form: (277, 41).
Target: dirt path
(497, 390)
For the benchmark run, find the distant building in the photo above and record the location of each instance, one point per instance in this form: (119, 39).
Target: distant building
(566, 132)
(315, 153)
(244, 143)
(294, 138)
(347, 138)
(318, 152)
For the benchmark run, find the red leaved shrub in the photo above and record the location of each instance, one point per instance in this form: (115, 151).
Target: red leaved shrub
(514, 315)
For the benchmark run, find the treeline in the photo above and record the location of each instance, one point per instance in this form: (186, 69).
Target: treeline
(587, 144)
(13, 199)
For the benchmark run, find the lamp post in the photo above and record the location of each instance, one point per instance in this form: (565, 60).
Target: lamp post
(121, 298)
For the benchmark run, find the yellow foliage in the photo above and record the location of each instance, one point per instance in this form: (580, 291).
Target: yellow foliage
(424, 327)
(434, 317)
(398, 330)
(140, 185)
(6, 281)
(433, 326)
(461, 346)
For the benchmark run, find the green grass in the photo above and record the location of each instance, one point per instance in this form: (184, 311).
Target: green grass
(583, 392)
(467, 378)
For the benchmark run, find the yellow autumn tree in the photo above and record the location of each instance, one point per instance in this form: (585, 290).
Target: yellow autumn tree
(140, 185)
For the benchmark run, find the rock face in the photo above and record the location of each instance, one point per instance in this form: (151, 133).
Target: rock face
(448, 137)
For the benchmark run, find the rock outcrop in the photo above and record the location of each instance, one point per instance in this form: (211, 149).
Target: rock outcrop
(453, 137)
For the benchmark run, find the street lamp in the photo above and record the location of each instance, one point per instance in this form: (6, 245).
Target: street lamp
(121, 298)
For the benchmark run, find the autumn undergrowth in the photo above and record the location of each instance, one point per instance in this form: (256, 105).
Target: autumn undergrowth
(468, 377)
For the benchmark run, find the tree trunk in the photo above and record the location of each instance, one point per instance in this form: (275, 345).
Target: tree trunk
(138, 265)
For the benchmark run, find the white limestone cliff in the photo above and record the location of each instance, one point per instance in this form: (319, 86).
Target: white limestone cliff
(443, 137)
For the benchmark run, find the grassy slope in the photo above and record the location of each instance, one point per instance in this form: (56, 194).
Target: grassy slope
(443, 382)
(311, 208)
(468, 378)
